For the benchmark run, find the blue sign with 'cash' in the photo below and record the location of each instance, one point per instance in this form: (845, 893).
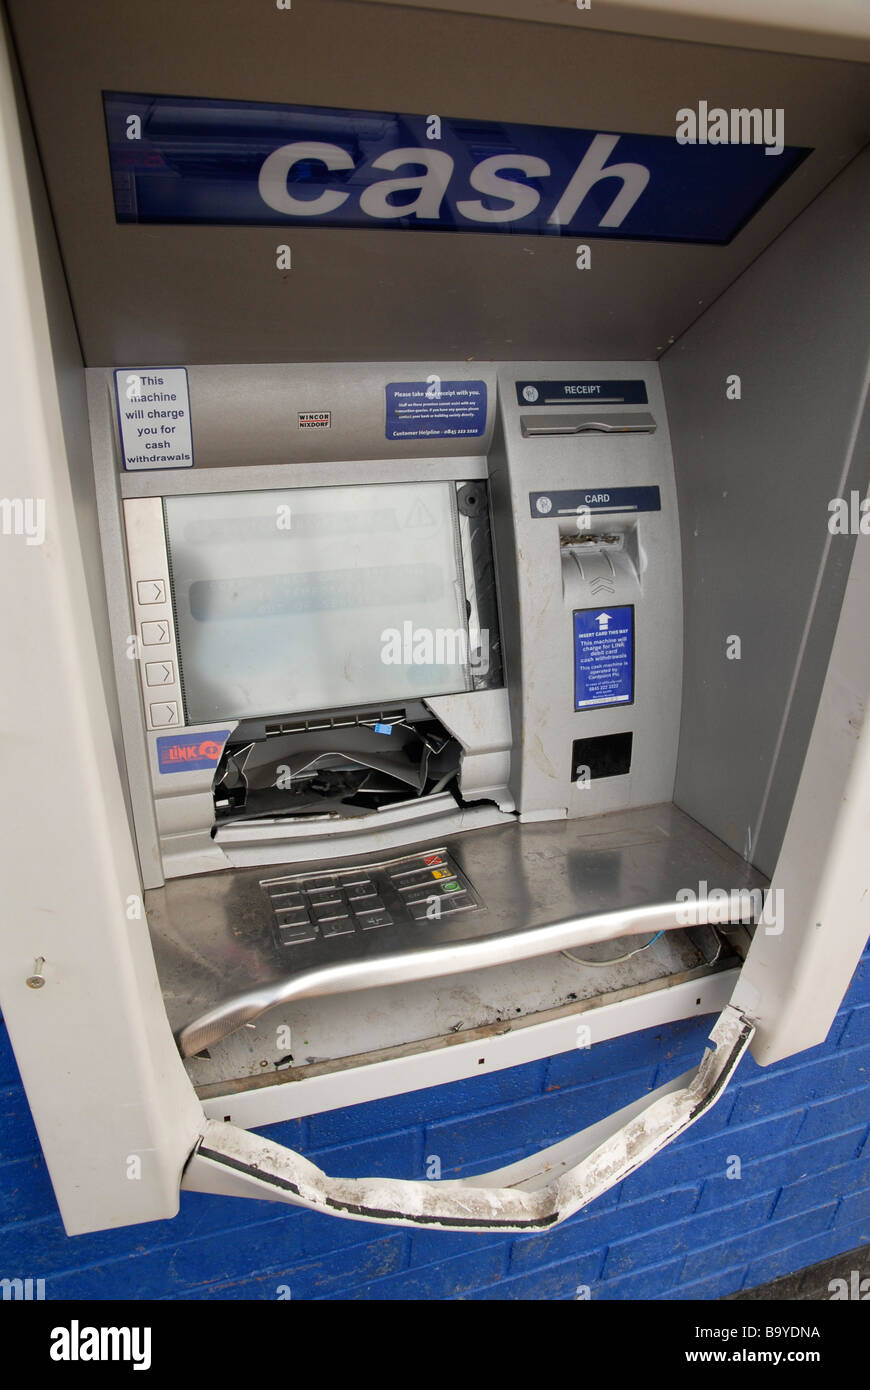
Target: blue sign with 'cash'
(214, 162)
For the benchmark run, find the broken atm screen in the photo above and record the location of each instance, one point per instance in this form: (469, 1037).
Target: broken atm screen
(318, 598)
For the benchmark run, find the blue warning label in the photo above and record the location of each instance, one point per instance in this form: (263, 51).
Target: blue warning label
(603, 657)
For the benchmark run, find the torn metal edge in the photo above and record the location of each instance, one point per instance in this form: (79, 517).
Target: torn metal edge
(236, 1162)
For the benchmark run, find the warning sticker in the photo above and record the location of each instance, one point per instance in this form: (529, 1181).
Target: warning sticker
(603, 657)
(154, 417)
(435, 409)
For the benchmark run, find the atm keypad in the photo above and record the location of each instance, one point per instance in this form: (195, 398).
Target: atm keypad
(375, 919)
(413, 891)
(295, 936)
(292, 917)
(336, 926)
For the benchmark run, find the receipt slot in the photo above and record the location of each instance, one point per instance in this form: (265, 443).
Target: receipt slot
(423, 696)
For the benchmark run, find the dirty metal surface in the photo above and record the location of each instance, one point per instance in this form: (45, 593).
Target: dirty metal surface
(345, 1032)
(543, 888)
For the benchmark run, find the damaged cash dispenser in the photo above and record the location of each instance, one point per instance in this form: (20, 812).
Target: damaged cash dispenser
(383, 701)
(406, 696)
(451, 665)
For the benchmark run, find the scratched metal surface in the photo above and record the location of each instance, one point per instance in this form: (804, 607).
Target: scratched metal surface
(589, 880)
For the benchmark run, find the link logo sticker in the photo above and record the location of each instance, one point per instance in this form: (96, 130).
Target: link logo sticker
(220, 163)
(190, 752)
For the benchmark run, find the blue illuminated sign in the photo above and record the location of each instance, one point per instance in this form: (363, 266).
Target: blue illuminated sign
(200, 160)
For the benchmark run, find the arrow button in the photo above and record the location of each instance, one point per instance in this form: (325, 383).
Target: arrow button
(155, 634)
(151, 591)
(159, 673)
(164, 715)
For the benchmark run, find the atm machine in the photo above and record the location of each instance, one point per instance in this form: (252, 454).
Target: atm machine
(383, 718)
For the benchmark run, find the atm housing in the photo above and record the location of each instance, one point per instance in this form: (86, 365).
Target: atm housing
(576, 830)
(249, 583)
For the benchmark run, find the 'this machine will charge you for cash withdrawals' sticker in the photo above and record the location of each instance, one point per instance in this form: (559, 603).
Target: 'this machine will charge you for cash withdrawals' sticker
(603, 657)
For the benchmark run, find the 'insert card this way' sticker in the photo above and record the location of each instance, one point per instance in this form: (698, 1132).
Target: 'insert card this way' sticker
(154, 417)
(603, 656)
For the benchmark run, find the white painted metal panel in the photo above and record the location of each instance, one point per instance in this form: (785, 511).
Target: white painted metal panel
(103, 1078)
(793, 982)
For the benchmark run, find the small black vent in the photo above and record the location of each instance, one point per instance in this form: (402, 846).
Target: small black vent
(607, 756)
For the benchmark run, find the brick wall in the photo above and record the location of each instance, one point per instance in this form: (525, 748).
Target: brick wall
(680, 1227)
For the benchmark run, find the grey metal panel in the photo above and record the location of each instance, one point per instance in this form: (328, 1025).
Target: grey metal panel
(836, 29)
(754, 478)
(158, 295)
(251, 477)
(246, 437)
(538, 599)
(245, 415)
(242, 419)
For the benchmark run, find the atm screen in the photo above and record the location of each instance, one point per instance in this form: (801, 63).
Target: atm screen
(317, 598)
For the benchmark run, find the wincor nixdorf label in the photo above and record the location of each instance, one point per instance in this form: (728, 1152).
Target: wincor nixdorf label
(314, 419)
(595, 499)
(582, 393)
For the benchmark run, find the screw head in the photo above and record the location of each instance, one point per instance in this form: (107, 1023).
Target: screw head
(37, 979)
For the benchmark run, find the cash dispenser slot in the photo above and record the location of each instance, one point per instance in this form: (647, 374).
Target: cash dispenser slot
(334, 766)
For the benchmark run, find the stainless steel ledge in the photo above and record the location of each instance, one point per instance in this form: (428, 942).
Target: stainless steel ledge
(547, 887)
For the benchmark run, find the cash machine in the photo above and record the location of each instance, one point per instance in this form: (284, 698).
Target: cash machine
(433, 710)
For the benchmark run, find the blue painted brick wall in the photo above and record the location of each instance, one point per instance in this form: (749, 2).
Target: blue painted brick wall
(678, 1228)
